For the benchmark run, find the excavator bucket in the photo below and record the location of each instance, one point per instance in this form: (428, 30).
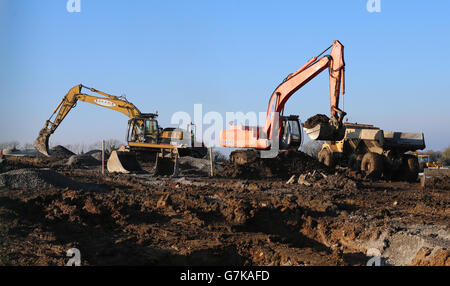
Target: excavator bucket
(326, 132)
(166, 166)
(41, 143)
(123, 162)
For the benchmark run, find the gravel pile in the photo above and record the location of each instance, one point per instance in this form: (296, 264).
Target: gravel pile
(82, 160)
(35, 178)
(96, 154)
(189, 165)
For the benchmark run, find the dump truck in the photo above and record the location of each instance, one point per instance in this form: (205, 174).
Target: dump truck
(147, 141)
(373, 151)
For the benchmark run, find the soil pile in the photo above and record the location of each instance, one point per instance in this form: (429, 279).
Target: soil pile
(337, 181)
(192, 165)
(82, 160)
(96, 154)
(283, 166)
(60, 152)
(23, 162)
(438, 183)
(34, 179)
(432, 257)
(316, 119)
(92, 152)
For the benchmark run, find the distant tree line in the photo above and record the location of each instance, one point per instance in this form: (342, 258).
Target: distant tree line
(442, 158)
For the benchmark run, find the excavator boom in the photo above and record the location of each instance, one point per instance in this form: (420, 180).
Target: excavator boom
(334, 62)
(70, 100)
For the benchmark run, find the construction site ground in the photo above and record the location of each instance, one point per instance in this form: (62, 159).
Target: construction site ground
(48, 206)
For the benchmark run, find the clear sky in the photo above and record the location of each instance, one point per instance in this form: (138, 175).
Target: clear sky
(228, 55)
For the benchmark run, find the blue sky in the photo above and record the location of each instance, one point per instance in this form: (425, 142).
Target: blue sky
(228, 55)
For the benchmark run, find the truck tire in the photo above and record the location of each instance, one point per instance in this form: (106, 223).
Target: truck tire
(409, 170)
(326, 158)
(372, 165)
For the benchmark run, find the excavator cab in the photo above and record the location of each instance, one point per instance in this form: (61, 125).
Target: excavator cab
(144, 129)
(291, 136)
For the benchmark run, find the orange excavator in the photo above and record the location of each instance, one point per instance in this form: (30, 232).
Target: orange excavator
(284, 132)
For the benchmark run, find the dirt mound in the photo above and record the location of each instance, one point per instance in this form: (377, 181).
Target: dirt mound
(316, 119)
(23, 162)
(191, 162)
(96, 154)
(438, 182)
(196, 166)
(320, 180)
(285, 165)
(432, 257)
(34, 179)
(82, 160)
(61, 152)
(92, 152)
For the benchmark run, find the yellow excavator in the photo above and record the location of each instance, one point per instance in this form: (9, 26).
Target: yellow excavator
(146, 139)
(426, 161)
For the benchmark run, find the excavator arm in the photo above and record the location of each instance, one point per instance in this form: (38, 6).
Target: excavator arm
(70, 100)
(336, 66)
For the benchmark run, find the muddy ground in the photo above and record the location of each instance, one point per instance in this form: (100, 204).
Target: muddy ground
(319, 218)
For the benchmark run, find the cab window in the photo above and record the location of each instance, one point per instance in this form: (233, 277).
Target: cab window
(150, 126)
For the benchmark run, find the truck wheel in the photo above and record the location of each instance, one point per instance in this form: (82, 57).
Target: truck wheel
(410, 168)
(372, 165)
(326, 158)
